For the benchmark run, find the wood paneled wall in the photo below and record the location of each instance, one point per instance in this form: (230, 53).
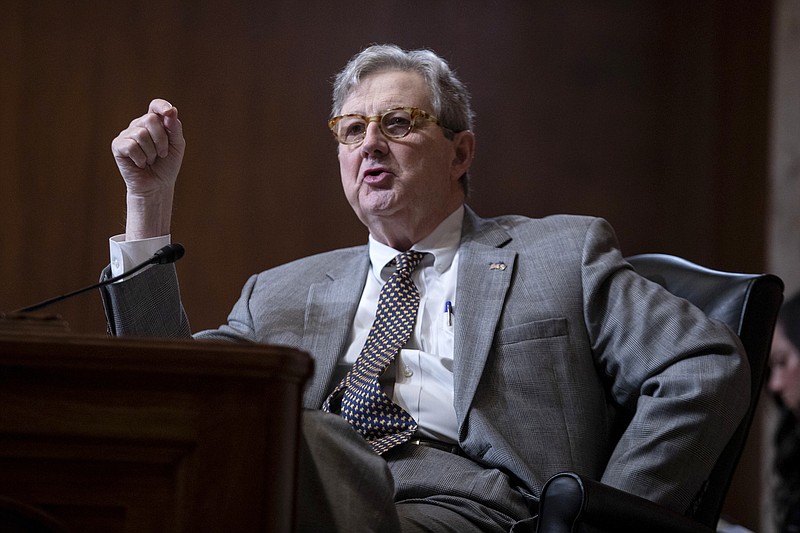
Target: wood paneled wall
(651, 114)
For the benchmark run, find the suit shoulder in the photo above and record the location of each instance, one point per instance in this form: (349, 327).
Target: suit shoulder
(549, 225)
(566, 236)
(320, 263)
(332, 256)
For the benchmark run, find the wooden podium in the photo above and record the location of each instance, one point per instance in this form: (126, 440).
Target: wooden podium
(140, 435)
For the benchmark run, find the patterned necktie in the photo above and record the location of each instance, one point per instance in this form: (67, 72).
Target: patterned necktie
(363, 403)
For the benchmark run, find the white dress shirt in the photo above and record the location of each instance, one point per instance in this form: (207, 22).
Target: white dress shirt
(423, 370)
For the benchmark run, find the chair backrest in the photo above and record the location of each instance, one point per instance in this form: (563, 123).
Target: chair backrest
(748, 304)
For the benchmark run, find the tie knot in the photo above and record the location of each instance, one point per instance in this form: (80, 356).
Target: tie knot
(408, 261)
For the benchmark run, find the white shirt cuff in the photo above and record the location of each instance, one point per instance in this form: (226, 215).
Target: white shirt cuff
(127, 254)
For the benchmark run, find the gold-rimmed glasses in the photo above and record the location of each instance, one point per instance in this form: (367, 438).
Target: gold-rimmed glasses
(395, 123)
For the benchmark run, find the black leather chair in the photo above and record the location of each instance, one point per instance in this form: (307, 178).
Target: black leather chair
(748, 304)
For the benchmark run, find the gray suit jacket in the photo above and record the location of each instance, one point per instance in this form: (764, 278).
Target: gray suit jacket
(565, 359)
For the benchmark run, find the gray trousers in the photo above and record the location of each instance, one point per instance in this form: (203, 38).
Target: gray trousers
(343, 486)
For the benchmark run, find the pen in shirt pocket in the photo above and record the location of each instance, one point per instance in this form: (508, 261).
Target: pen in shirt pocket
(448, 313)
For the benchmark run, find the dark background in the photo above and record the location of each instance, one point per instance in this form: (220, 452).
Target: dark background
(652, 114)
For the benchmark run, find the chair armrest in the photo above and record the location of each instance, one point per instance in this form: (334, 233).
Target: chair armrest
(570, 501)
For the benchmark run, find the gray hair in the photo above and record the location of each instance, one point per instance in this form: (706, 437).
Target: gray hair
(449, 96)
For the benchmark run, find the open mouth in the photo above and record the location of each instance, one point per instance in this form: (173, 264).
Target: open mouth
(376, 175)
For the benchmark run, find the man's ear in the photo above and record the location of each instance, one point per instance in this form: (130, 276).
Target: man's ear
(464, 144)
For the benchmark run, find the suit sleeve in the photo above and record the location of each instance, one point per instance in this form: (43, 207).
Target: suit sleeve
(146, 305)
(682, 376)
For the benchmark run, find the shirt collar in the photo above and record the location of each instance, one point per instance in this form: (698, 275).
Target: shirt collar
(441, 244)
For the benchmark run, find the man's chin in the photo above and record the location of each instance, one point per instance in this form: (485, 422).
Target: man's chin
(378, 203)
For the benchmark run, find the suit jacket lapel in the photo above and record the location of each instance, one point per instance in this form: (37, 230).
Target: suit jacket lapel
(330, 311)
(484, 276)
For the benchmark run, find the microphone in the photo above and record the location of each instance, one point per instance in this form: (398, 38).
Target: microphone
(168, 254)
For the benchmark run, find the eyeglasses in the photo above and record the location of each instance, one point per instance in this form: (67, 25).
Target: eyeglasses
(395, 123)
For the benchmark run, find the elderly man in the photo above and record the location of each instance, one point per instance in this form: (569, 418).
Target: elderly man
(459, 361)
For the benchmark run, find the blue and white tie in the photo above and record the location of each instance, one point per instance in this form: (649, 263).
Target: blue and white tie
(363, 403)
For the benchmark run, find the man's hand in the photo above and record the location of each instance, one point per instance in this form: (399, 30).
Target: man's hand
(149, 153)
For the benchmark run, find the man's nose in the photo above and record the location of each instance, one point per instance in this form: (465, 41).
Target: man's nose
(374, 139)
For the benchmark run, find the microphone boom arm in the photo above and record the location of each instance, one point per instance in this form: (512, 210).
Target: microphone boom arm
(168, 254)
